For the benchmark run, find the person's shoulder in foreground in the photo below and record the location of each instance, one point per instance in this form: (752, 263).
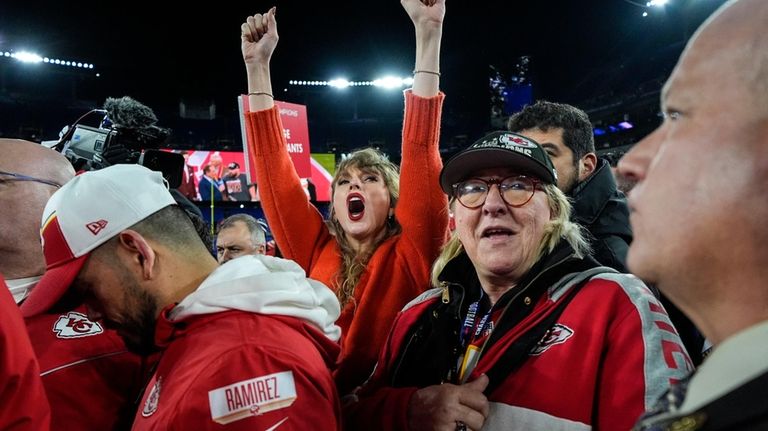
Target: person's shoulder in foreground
(699, 211)
(25, 405)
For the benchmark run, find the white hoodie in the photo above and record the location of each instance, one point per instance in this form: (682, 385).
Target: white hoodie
(265, 285)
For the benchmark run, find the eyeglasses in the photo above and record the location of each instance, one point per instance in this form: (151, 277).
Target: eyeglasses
(515, 191)
(20, 177)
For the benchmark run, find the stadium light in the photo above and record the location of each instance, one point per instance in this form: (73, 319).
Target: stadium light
(34, 58)
(339, 83)
(27, 57)
(647, 5)
(386, 83)
(626, 125)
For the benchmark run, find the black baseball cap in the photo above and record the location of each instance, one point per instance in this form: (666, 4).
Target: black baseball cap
(233, 165)
(497, 150)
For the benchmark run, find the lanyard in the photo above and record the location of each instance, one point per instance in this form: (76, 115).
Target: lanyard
(468, 360)
(467, 336)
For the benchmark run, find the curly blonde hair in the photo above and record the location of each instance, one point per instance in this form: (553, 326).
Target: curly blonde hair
(353, 262)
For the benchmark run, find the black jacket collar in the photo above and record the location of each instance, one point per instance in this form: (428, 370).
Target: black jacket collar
(461, 280)
(591, 196)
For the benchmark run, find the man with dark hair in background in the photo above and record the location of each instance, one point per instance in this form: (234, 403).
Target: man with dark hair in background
(90, 378)
(188, 188)
(566, 134)
(312, 192)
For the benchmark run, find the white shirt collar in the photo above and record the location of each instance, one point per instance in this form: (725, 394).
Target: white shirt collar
(737, 360)
(20, 287)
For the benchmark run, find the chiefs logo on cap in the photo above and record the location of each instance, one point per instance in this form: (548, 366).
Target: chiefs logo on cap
(516, 140)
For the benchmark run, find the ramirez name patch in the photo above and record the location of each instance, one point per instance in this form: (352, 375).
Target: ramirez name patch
(252, 397)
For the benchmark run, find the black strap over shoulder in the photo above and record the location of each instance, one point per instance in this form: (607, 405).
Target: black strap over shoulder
(518, 352)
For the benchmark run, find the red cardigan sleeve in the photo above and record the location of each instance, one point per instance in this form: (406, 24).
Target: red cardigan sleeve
(422, 209)
(296, 224)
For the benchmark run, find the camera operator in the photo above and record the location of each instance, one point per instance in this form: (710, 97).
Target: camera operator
(128, 134)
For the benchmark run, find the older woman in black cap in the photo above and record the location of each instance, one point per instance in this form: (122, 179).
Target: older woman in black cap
(523, 330)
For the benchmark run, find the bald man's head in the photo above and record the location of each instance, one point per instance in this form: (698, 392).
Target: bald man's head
(734, 37)
(35, 160)
(701, 177)
(22, 203)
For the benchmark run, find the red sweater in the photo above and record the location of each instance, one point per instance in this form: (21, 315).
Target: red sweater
(399, 269)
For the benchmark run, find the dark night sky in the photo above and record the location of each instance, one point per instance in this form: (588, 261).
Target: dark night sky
(579, 48)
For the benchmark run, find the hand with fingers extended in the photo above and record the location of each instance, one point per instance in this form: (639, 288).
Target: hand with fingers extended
(447, 407)
(258, 36)
(425, 13)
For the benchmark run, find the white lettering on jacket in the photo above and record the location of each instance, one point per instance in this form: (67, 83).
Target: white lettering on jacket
(252, 397)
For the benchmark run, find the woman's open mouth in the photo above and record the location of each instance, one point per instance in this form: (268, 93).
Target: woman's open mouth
(355, 206)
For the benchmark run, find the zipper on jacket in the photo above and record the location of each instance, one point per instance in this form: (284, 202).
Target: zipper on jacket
(506, 307)
(418, 334)
(446, 297)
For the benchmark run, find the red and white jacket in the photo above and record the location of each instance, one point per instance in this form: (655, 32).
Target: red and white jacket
(91, 379)
(23, 404)
(251, 349)
(609, 356)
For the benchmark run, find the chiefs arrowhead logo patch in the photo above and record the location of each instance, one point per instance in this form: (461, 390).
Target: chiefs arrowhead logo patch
(75, 325)
(558, 334)
(153, 399)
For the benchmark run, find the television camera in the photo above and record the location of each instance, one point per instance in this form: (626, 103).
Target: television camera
(126, 133)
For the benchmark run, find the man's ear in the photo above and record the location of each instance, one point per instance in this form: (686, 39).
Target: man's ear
(142, 254)
(587, 166)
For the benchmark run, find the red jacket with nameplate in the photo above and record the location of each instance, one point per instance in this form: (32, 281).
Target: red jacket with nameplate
(251, 349)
